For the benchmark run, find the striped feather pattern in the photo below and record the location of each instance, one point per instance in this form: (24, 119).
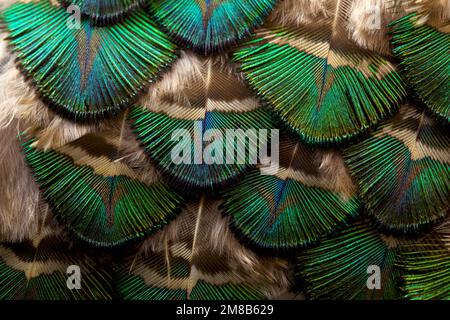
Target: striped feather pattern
(106, 166)
(309, 196)
(423, 51)
(403, 171)
(435, 13)
(197, 258)
(425, 265)
(101, 186)
(36, 269)
(86, 72)
(321, 84)
(337, 268)
(210, 25)
(204, 99)
(105, 12)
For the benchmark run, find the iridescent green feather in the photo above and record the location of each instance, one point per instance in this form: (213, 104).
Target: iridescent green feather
(201, 99)
(155, 132)
(323, 87)
(96, 193)
(338, 267)
(403, 171)
(105, 12)
(36, 269)
(296, 205)
(425, 266)
(210, 25)
(424, 53)
(183, 262)
(83, 71)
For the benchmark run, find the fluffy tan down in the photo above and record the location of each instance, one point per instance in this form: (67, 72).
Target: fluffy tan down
(22, 110)
(366, 20)
(269, 273)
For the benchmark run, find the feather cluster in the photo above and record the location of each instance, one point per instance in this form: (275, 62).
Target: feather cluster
(95, 96)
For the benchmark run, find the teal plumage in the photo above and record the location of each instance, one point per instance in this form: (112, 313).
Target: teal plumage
(155, 133)
(424, 51)
(126, 113)
(36, 269)
(100, 187)
(105, 12)
(403, 171)
(425, 266)
(323, 87)
(200, 97)
(210, 25)
(86, 72)
(337, 268)
(309, 196)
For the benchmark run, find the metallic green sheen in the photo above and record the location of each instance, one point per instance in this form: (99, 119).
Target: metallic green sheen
(424, 54)
(85, 72)
(154, 131)
(284, 214)
(337, 267)
(105, 12)
(286, 78)
(101, 210)
(209, 26)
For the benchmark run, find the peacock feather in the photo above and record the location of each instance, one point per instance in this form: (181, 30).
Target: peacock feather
(320, 83)
(197, 258)
(202, 100)
(210, 25)
(36, 268)
(426, 266)
(403, 171)
(309, 195)
(83, 71)
(101, 186)
(105, 12)
(424, 51)
(134, 150)
(339, 267)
